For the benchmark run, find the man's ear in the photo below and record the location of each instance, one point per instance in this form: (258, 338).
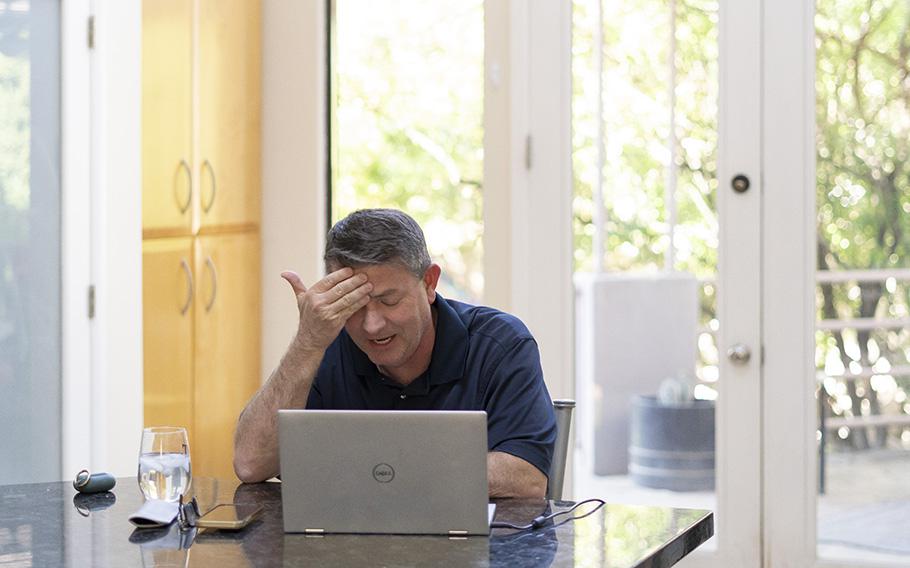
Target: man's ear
(430, 280)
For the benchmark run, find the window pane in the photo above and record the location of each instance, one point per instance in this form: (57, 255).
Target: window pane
(645, 131)
(408, 130)
(29, 240)
(863, 227)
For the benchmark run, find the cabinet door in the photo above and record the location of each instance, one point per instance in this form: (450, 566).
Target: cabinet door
(167, 326)
(167, 123)
(227, 344)
(229, 115)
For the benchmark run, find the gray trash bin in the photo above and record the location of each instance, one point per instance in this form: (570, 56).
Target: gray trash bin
(671, 446)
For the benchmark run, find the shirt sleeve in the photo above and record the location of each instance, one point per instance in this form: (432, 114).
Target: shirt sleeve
(520, 416)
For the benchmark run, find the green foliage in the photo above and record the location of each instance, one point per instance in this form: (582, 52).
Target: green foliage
(863, 190)
(409, 124)
(636, 120)
(864, 134)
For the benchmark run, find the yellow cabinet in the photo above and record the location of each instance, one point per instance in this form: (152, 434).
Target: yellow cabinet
(201, 116)
(201, 209)
(168, 291)
(229, 115)
(226, 344)
(167, 117)
(201, 324)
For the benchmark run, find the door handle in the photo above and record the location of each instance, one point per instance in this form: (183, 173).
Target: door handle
(211, 266)
(206, 165)
(189, 176)
(189, 286)
(739, 354)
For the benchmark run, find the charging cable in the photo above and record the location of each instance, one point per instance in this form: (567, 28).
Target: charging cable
(541, 520)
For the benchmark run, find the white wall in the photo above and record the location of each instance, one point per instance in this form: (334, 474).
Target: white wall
(293, 162)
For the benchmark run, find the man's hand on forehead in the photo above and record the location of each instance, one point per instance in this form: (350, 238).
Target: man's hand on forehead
(327, 304)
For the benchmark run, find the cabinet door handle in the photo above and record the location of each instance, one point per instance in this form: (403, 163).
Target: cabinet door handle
(189, 286)
(211, 265)
(189, 176)
(208, 165)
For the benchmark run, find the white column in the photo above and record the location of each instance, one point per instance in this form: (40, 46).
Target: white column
(293, 162)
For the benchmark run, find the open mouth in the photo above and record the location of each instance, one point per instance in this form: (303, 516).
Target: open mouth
(383, 341)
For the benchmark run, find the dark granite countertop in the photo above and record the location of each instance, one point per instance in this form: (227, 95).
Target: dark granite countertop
(49, 524)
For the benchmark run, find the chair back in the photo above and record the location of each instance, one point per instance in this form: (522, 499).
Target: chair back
(563, 408)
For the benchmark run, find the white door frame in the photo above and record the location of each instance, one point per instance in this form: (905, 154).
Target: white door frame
(101, 236)
(738, 438)
(528, 175)
(75, 236)
(788, 311)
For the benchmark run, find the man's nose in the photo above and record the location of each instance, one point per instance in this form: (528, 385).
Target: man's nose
(373, 321)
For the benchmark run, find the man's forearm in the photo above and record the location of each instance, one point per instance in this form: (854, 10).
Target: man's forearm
(511, 476)
(256, 438)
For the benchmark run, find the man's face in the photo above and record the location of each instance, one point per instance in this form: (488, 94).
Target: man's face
(394, 329)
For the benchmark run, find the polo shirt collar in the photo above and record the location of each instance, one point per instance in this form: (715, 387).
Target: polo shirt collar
(450, 348)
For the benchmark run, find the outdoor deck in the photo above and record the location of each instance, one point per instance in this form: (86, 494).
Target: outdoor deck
(863, 515)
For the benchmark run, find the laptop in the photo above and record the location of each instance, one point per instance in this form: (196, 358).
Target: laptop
(395, 472)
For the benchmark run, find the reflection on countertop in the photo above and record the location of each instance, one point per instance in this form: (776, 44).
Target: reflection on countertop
(48, 524)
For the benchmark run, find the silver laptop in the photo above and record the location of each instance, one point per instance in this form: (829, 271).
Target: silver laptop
(359, 471)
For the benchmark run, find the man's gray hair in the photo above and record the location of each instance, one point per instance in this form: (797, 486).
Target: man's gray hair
(377, 236)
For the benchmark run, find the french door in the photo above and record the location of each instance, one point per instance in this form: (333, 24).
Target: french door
(835, 379)
(668, 203)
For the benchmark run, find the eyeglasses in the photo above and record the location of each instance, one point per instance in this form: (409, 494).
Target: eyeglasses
(187, 513)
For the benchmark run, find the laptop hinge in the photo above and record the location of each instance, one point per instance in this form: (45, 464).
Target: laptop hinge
(458, 533)
(314, 531)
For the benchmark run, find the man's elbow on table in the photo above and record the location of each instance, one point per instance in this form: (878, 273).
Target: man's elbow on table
(511, 476)
(248, 471)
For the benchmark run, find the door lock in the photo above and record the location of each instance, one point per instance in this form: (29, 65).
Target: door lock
(740, 183)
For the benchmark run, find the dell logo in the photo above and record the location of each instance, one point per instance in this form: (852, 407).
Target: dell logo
(383, 473)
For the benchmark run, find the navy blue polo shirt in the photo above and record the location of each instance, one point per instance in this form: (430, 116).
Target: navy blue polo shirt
(483, 359)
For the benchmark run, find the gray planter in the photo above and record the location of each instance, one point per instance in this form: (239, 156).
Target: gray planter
(672, 446)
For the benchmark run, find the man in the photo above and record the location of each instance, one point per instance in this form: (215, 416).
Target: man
(374, 334)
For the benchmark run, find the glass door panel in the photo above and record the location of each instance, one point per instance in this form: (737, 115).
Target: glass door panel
(646, 261)
(665, 400)
(863, 278)
(30, 241)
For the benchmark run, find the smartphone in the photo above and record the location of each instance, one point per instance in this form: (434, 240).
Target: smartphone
(229, 516)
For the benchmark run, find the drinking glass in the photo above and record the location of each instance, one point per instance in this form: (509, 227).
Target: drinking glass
(164, 463)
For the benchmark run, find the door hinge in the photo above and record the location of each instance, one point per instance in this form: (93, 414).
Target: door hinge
(91, 301)
(528, 155)
(91, 32)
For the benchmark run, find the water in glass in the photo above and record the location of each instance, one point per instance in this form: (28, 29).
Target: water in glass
(164, 463)
(164, 476)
